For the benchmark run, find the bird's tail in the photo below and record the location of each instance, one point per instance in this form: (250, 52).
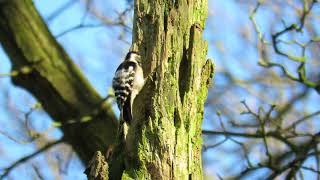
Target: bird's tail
(126, 114)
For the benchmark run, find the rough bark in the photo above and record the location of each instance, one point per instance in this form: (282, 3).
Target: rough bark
(164, 139)
(51, 76)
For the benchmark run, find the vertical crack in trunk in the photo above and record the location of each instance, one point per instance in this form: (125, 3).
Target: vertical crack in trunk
(169, 111)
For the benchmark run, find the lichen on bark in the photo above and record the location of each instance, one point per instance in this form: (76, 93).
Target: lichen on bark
(165, 137)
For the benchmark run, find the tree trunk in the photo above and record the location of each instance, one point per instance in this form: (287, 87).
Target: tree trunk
(164, 140)
(49, 74)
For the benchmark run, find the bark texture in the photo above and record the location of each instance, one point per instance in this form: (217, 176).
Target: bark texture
(164, 140)
(50, 75)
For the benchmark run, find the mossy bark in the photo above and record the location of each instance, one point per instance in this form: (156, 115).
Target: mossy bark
(51, 76)
(164, 140)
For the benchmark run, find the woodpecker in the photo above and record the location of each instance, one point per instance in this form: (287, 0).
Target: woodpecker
(127, 83)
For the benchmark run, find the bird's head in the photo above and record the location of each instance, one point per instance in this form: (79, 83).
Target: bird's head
(133, 56)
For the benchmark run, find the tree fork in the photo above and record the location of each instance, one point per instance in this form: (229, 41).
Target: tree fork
(164, 140)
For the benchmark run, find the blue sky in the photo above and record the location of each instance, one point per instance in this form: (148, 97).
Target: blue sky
(98, 51)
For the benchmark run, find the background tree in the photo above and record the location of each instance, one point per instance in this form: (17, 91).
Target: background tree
(266, 57)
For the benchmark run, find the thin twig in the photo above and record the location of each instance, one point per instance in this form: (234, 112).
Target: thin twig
(7, 170)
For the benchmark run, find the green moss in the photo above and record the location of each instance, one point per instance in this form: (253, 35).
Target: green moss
(169, 140)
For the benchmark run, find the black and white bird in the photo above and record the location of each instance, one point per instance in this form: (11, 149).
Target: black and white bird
(127, 83)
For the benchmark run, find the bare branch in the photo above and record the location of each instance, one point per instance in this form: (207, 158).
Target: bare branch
(7, 170)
